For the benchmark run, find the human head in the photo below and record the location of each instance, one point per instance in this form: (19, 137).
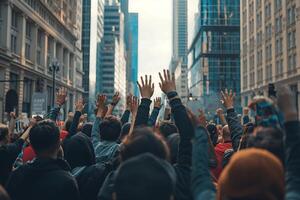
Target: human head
(67, 124)
(79, 151)
(87, 129)
(3, 134)
(110, 128)
(44, 138)
(133, 182)
(270, 139)
(173, 142)
(167, 128)
(213, 133)
(252, 174)
(226, 135)
(143, 140)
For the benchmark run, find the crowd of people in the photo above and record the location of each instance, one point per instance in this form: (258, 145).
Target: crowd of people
(137, 157)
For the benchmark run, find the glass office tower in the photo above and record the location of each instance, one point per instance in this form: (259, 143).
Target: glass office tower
(214, 54)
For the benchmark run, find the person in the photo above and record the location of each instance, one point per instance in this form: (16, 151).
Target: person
(131, 181)
(48, 176)
(9, 152)
(220, 150)
(242, 178)
(106, 130)
(167, 128)
(143, 140)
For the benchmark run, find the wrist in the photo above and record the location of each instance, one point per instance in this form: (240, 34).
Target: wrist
(171, 94)
(291, 116)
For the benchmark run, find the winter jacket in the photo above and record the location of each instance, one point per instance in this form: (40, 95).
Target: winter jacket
(45, 179)
(153, 117)
(104, 150)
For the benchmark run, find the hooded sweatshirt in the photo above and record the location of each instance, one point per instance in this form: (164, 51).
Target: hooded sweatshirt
(219, 151)
(45, 179)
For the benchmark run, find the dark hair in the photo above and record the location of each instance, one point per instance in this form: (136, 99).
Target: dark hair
(143, 140)
(213, 133)
(270, 139)
(87, 129)
(3, 132)
(110, 128)
(38, 118)
(44, 136)
(173, 142)
(167, 128)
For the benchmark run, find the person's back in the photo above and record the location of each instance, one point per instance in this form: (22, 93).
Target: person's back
(47, 177)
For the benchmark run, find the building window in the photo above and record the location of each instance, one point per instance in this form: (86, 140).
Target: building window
(291, 15)
(278, 24)
(39, 47)
(269, 73)
(27, 93)
(278, 48)
(277, 5)
(27, 50)
(14, 19)
(268, 11)
(13, 43)
(291, 39)
(279, 68)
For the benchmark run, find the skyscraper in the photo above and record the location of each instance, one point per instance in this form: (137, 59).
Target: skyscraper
(214, 54)
(111, 75)
(270, 45)
(92, 32)
(179, 45)
(134, 40)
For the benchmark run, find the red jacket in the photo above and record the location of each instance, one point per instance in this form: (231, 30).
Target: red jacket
(219, 151)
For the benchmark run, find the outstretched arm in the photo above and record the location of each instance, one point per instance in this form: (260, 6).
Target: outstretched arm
(155, 112)
(126, 114)
(79, 106)
(146, 89)
(234, 123)
(61, 98)
(288, 107)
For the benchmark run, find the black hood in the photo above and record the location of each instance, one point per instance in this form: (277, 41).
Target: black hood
(79, 151)
(41, 165)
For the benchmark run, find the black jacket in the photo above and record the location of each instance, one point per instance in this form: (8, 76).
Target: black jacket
(45, 179)
(8, 155)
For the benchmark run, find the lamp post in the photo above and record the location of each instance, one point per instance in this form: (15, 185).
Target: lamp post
(54, 67)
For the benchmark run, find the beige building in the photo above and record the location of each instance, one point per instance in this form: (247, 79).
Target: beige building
(270, 44)
(32, 34)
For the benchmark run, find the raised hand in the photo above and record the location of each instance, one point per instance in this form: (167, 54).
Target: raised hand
(79, 105)
(146, 87)
(13, 115)
(245, 111)
(101, 107)
(220, 112)
(167, 83)
(115, 99)
(286, 103)
(157, 102)
(228, 99)
(134, 105)
(61, 96)
(202, 118)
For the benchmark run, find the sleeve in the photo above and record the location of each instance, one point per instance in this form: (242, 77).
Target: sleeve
(15, 148)
(143, 112)
(186, 131)
(125, 117)
(74, 124)
(235, 127)
(106, 191)
(153, 117)
(292, 158)
(95, 132)
(202, 186)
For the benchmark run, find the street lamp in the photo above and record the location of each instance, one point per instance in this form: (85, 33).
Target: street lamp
(53, 67)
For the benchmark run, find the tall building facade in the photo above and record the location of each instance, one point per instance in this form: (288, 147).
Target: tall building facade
(214, 54)
(179, 45)
(134, 53)
(33, 33)
(270, 46)
(92, 33)
(111, 75)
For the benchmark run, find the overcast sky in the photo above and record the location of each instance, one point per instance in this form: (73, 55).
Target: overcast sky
(155, 34)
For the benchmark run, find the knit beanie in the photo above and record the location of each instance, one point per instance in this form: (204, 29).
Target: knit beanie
(252, 174)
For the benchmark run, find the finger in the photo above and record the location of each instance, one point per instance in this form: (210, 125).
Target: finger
(165, 75)
(142, 80)
(140, 87)
(161, 78)
(226, 92)
(146, 81)
(152, 87)
(150, 80)
(160, 85)
(230, 93)
(222, 95)
(168, 75)
(173, 77)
